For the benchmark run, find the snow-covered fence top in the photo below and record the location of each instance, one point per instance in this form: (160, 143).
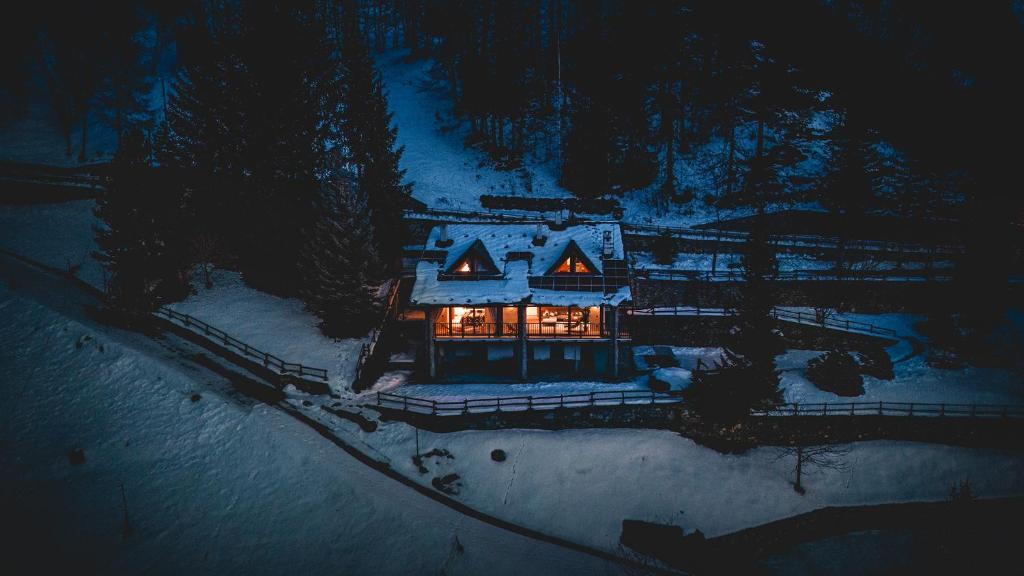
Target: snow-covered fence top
(896, 409)
(608, 398)
(219, 336)
(777, 313)
(675, 274)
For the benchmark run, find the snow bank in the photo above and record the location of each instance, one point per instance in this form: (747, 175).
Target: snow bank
(58, 235)
(281, 326)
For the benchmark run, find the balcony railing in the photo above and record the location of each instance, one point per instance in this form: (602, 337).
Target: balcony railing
(536, 330)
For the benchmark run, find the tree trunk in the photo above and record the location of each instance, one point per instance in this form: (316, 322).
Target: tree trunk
(85, 130)
(799, 469)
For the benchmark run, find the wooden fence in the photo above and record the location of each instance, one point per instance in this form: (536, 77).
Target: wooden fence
(433, 407)
(836, 324)
(613, 398)
(799, 317)
(368, 349)
(896, 276)
(222, 337)
(895, 409)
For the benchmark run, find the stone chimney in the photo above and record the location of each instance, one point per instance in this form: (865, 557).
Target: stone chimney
(442, 237)
(538, 236)
(608, 245)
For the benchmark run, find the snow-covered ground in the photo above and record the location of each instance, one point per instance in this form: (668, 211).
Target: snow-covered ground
(62, 233)
(281, 326)
(219, 485)
(445, 174)
(58, 235)
(582, 483)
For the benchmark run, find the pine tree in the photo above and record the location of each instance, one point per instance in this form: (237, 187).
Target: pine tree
(849, 186)
(250, 123)
(745, 377)
(369, 140)
(339, 262)
(143, 255)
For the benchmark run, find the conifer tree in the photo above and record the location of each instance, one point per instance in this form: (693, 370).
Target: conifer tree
(369, 140)
(849, 187)
(140, 248)
(745, 377)
(339, 262)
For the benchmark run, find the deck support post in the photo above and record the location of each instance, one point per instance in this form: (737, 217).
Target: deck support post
(521, 345)
(613, 326)
(428, 341)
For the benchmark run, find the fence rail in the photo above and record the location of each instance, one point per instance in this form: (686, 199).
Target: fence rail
(834, 323)
(895, 409)
(612, 398)
(533, 330)
(222, 337)
(673, 274)
(798, 317)
(433, 407)
(368, 348)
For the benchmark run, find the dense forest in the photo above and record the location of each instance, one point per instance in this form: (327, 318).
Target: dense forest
(272, 136)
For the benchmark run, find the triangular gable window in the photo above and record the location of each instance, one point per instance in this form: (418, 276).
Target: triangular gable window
(474, 261)
(573, 261)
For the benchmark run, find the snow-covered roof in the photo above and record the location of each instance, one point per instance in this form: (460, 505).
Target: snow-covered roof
(501, 240)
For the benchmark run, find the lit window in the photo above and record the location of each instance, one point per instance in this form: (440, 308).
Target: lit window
(465, 267)
(572, 266)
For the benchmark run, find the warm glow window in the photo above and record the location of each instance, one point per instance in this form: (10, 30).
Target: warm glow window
(573, 265)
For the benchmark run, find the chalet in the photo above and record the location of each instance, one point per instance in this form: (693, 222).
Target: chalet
(533, 301)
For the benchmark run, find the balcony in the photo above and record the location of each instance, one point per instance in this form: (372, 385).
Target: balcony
(534, 330)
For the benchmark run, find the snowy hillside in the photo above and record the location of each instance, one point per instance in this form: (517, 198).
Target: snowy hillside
(213, 486)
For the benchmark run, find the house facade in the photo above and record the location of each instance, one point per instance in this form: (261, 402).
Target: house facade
(530, 301)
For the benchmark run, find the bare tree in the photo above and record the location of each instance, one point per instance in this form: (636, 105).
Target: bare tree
(208, 251)
(822, 314)
(825, 457)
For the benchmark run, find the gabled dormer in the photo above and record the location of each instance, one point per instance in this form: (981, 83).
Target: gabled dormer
(572, 262)
(473, 264)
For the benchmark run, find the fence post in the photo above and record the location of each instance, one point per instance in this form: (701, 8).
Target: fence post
(266, 358)
(853, 406)
(623, 394)
(911, 413)
(796, 408)
(824, 409)
(561, 400)
(879, 407)
(465, 405)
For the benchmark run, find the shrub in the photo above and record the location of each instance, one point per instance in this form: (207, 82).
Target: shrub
(875, 363)
(664, 248)
(837, 372)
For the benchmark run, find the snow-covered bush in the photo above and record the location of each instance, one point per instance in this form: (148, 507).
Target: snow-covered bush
(837, 372)
(875, 363)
